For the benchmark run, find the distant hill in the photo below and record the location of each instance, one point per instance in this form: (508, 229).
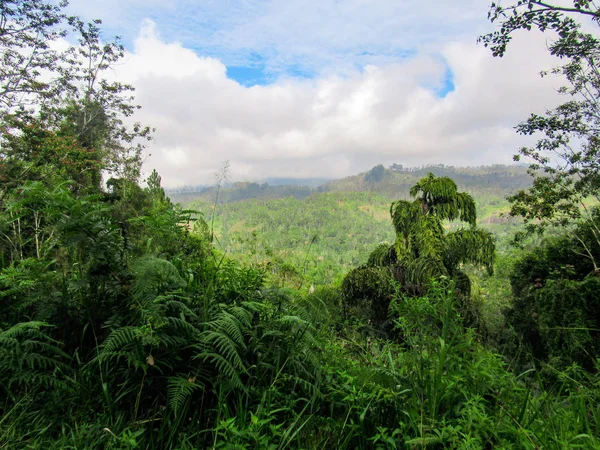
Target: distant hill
(310, 182)
(394, 182)
(241, 191)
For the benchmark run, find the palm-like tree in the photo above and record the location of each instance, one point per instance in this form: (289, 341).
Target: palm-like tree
(423, 247)
(423, 250)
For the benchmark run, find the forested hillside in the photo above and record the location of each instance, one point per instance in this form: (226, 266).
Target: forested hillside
(487, 183)
(383, 311)
(317, 237)
(395, 182)
(303, 242)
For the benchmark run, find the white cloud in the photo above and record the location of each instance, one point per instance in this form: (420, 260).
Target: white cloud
(317, 36)
(333, 126)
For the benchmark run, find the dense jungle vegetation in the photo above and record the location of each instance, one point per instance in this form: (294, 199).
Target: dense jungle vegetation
(388, 310)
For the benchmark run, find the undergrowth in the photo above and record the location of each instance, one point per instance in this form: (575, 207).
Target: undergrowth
(122, 327)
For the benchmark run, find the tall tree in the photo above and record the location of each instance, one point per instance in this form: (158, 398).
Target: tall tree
(423, 247)
(68, 93)
(565, 160)
(423, 250)
(97, 110)
(28, 28)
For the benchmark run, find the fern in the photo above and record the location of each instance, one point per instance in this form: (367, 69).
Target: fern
(29, 356)
(474, 246)
(180, 389)
(121, 338)
(224, 365)
(383, 255)
(153, 275)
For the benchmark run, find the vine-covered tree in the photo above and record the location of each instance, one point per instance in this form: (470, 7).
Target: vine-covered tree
(423, 250)
(556, 307)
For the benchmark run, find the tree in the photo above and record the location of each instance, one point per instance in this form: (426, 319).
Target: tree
(72, 95)
(375, 174)
(422, 250)
(555, 307)
(565, 161)
(27, 30)
(423, 247)
(528, 14)
(96, 109)
(36, 153)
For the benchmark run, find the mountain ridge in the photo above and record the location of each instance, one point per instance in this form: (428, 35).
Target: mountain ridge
(393, 182)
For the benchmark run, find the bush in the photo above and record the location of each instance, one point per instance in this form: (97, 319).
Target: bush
(556, 308)
(367, 291)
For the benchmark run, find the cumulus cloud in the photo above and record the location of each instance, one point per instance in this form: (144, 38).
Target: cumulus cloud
(376, 69)
(334, 125)
(313, 36)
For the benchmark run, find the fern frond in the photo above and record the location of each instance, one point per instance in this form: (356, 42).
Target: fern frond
(180, 389)
(383, 255)
(224, 345)
(427, 237)
(153, 275)
(29, 356)
(242, 315)
(422, 270)
(470, 246)
(430, 188)
(121, 338)
(404, 214)
(182, 326)
(223, 367)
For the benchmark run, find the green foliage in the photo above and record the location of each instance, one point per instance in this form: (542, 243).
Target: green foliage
(30, 360)
(470, 246)
(555, 308)
(156, 340)
(441, 389)
(125, 321)
(440, 197)
(564, 162)
(421, 240)
(302, 242)
(81, 121)
(422, 250)
(384, 255)
(367, 292)
(29, 30)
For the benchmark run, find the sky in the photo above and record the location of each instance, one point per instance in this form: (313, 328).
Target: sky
(321, 88)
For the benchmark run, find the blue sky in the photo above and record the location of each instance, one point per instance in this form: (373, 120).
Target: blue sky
(262, 41)
(321, 88)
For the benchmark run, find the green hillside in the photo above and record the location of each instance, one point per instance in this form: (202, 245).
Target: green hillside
(316, 236)
(314, 240)
(486, 183)
(395, 181)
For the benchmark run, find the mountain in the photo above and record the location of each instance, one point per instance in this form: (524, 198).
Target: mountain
(394, 182)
